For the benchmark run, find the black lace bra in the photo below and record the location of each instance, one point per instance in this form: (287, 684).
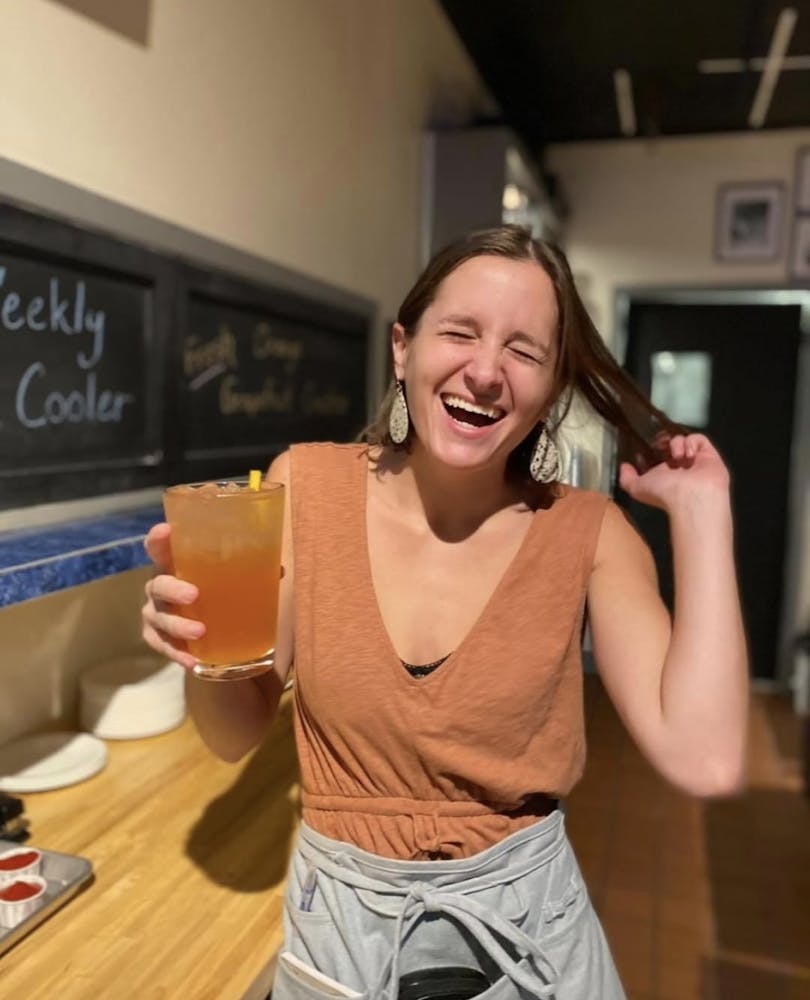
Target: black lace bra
(423, 669)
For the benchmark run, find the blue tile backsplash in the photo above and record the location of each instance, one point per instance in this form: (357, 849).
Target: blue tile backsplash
(39, 561)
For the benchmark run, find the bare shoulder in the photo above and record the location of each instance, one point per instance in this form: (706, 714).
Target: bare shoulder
(279, 469)
(279, 472)
(620, 545)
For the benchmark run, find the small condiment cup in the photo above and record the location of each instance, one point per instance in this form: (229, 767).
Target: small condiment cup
(13, 911)
(22, 868)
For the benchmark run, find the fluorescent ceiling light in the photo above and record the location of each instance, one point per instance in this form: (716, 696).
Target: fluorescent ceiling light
(623, 86)
(757, 64)
(513, 197)
(721, 66)
(785, 24)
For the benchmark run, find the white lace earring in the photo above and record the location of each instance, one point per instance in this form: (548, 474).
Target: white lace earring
(398, 421)
(544, 466)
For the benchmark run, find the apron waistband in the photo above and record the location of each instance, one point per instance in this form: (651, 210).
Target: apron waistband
(449, 891)
(545, 839)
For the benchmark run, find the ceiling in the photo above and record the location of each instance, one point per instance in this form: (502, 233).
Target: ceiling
(552, 65)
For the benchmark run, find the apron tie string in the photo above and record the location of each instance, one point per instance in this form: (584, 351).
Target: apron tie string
(483, 923)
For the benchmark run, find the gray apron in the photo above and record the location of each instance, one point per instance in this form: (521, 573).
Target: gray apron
(518, 911)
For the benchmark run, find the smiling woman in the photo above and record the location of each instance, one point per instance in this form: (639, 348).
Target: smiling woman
(439, 697)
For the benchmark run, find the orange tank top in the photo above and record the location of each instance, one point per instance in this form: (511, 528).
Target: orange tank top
(448, 764)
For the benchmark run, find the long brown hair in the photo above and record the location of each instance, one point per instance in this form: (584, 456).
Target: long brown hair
(584, 363)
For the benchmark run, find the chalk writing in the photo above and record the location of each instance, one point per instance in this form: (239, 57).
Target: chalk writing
(219, 352)
(254, 377)
(317, 402)
(271, 398)
(266, 344)
(61, 310)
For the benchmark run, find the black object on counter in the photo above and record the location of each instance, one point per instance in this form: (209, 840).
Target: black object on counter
(443, 983)
(16, 830)
(10, 807)
(13, 825)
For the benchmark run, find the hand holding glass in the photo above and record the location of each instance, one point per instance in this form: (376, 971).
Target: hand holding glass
(226, 540)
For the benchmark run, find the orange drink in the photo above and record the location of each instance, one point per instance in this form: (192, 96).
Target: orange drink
(226, 540)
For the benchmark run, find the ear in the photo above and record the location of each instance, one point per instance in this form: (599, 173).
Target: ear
(399, 347)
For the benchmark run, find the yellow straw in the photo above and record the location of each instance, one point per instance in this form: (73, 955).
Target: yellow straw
(255, 480)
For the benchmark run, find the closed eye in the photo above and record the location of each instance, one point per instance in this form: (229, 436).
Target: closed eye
(525, 356)
(458, 334)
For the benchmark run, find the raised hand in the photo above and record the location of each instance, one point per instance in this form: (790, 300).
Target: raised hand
(694, 469)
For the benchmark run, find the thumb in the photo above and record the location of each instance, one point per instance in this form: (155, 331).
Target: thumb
(628, 478)
(159, 547)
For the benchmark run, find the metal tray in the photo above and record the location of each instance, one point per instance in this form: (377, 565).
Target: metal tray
(65, 874)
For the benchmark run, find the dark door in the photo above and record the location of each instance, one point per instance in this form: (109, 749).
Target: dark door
(728, 371)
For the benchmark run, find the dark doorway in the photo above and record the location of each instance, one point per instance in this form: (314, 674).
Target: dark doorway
(728, 370)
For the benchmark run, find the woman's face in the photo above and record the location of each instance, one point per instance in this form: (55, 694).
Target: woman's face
(479, 371)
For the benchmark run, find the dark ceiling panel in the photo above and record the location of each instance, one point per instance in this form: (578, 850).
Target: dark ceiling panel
(550, 65)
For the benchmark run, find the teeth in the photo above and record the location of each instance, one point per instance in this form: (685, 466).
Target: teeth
(493, 412)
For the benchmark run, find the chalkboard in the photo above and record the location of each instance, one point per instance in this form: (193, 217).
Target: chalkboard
(260, 370)
(82, 328)
(122, 368)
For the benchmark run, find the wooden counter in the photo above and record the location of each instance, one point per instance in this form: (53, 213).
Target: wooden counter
(189, 855)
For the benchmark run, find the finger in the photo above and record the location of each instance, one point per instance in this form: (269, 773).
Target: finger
(164, 646)
(677, 447)
(696, 443)
(628, 477)
(158, 547)
(161, 614)
(175, 627)
(688, 447)
(168, 590)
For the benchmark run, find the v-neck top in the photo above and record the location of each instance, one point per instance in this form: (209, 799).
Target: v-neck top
(448, 764)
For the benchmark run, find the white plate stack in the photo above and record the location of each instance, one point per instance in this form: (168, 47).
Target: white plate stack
(132, 697)
(44, 761)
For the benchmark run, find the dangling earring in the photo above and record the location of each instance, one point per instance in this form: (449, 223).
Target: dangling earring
(544, 466)
(398, 423)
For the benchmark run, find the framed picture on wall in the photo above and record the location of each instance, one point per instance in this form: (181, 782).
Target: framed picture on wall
(803, 180)
(749, 221)
(800, 250)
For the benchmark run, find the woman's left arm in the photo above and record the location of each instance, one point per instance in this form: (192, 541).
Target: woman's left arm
(681, 688)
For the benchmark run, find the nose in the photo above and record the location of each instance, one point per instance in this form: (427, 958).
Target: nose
(483, 372)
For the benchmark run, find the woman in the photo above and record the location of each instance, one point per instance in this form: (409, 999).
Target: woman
(441, 575)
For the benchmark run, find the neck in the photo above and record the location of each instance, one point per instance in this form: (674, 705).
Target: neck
(454, 502)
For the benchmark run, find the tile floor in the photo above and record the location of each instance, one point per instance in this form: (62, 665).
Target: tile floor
(700, 900)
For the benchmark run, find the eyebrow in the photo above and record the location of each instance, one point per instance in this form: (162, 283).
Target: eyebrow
(461, 320)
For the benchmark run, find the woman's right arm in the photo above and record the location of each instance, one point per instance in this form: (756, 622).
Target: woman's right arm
(232, 717)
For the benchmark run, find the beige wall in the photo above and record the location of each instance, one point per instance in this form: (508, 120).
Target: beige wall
(643, 212)
(46, 643)
(290, 130)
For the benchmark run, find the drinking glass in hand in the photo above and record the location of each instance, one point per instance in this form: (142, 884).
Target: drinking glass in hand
(226, 540)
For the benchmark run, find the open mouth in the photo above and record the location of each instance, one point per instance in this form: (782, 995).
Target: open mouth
(472, 414)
